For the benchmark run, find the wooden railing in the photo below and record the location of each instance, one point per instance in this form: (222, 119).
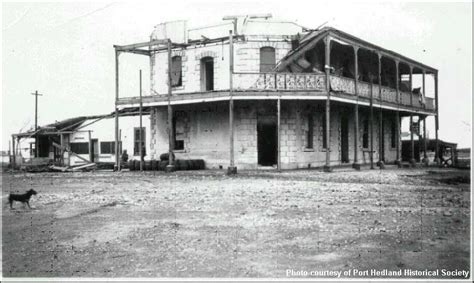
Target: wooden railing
(317, 82)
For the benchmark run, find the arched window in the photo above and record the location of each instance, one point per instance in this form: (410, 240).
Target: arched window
(176, 71)
(267, 59)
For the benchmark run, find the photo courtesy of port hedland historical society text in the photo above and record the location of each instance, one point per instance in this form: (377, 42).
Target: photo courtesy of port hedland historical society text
(239, 140)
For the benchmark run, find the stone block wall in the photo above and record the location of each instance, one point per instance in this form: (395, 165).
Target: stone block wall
(207, 135)
(246, 59)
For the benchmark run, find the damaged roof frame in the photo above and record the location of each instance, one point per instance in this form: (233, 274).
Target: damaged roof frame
(354, 41)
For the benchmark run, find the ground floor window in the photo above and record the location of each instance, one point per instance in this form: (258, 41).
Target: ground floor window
(107, 147)
(136, 141)
(179, 129)
(80, 147)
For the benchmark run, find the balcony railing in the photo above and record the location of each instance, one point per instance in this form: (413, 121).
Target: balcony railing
(317, 82)
(278, 81)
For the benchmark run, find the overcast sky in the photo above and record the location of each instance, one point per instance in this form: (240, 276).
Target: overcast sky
(64, 50)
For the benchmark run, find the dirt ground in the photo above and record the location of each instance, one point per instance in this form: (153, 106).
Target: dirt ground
(256, 224)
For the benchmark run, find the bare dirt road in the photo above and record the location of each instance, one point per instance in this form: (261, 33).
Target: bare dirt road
(256, 224)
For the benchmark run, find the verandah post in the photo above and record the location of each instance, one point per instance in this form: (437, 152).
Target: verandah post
(279, 134)
(13, 153)
(232, 168)
(170, 166)
(425, 147)
(397, 118)
(327, 67)
(412, 142)
(371, 125)
(437, 158)
(140, 131)
(356, 164)
(117, 157)
(380, 163)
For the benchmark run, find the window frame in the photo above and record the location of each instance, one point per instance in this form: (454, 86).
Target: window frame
(266, 67)
(179, 83)
(136, 140)
(110, 145)
(76, 147)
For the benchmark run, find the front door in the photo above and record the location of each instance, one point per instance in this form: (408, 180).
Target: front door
(344, 139)
(267, 142)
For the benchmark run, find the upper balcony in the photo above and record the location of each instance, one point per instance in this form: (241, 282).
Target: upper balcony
(358, 72)
(301, 86)
(341, 87)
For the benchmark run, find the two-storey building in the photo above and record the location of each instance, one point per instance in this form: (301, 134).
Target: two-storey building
(264, 93)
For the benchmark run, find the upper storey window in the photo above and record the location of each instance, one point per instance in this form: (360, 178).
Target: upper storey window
(267, 59)
(176, 71)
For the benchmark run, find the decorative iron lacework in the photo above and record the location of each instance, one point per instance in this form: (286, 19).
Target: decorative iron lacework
(363, 89)
(280, 83)
(405, 98)
(389, 94)
(342, 84)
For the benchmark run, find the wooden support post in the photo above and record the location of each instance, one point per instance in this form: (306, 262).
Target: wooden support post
(36, 94)
(327, 67)
(279, 134)
(232, 168)
(411, 86)
(117, 157)
(397, 118)
(412, 142)
(170, 166)
(371, 125)
(437, 157)
(381, 161)
(61, 140)
(140, 131)
(91, 154)
(13, 153)
(425, 147)
(356, 164)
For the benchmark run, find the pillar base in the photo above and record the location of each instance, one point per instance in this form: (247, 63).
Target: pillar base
(425, 161)
(381, 164)
(231, 170)
(398, 163)
(327, 168)
(437, 161)
(356, 166)
(413, 163)
(169, 168)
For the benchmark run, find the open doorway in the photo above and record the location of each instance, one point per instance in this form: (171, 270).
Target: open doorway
(207, 74)
(94, 154)
(344, 139)
(267, 141)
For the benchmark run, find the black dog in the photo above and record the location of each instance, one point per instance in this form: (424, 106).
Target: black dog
(24, 198)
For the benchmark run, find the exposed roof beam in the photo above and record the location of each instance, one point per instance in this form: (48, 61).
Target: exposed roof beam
(134, 46)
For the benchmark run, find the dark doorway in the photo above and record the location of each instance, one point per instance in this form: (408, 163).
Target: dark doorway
(43, 146)
(94, 150)
(267, 142)
(207, 73)
(344, 139)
